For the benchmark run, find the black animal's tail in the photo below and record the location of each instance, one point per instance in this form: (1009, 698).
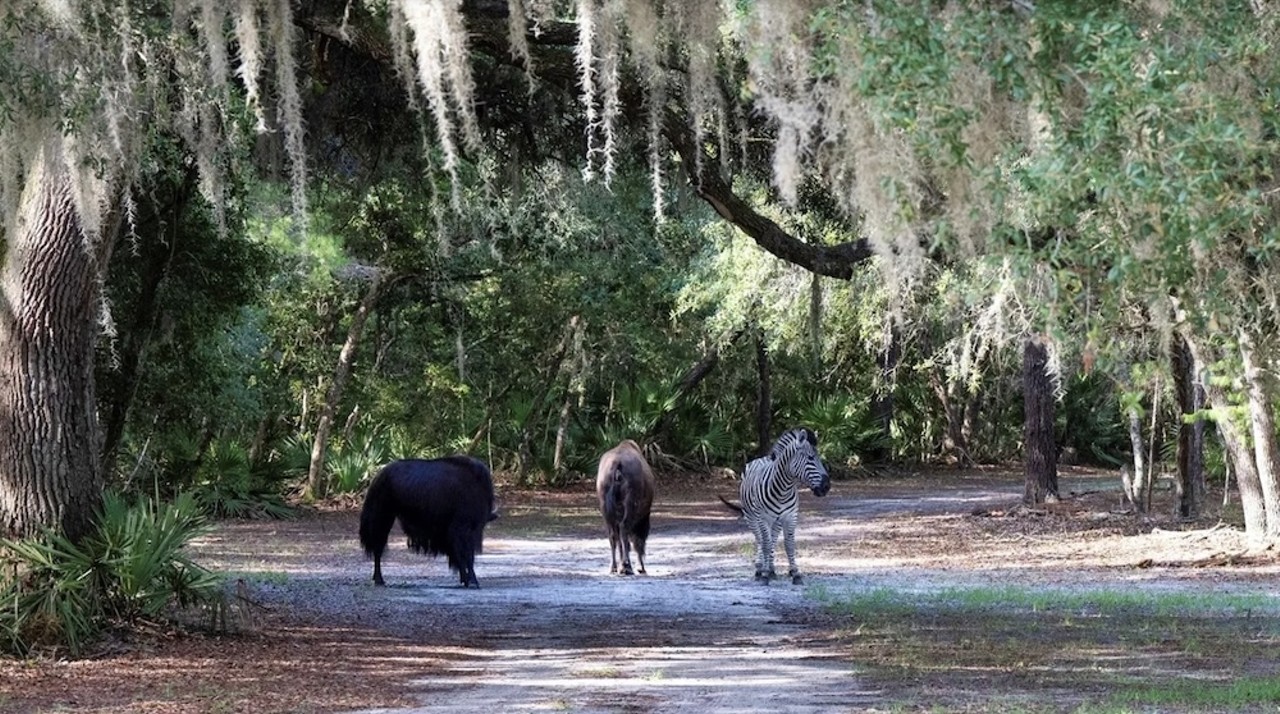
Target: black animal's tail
(377, 516)
(731, 504)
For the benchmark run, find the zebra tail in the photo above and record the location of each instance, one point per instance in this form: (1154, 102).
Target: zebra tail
(731, 504)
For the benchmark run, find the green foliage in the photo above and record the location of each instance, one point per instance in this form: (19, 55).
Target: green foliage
(843, 425)
(353, 460)
(1088, 419)
(59, 594)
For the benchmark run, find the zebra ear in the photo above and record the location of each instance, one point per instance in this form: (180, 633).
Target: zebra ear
(812, 437)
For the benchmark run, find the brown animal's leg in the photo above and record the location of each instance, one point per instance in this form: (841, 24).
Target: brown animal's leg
(613, 550)
(641, 534)
(625, 542)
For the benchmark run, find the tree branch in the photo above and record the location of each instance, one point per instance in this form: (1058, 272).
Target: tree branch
(836, 261)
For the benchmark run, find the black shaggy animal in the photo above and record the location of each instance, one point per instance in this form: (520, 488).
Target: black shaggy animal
(625, 485)
(443, 506)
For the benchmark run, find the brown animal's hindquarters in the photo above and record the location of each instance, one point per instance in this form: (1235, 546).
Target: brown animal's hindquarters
(625, 487)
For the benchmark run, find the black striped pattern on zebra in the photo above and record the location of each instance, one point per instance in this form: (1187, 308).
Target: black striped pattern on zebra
(771, 496)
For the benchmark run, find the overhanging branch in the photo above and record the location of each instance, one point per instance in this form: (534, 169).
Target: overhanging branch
(836, 261)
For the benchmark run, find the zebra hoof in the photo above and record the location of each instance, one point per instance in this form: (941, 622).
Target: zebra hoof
(797, 579)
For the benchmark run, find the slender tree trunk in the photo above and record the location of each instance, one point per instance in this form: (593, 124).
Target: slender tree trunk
(525, 451)
(1263, 428)
(50, 471)
(1135, 486)
(562, 430)
(1041, 449)
(882, 404)
(1191, 484)
(815, 322)
(764, 399)
(1241, 456)
(316, 482)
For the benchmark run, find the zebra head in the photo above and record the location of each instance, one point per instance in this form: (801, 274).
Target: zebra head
(797, 453)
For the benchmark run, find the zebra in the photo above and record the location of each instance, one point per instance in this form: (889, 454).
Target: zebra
(771, 496)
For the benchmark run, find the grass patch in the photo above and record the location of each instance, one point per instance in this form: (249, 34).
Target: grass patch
(1027, 600)
(1110, 650)
(1223, 696)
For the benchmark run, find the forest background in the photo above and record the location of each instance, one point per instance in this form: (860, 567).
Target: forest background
(313, 238)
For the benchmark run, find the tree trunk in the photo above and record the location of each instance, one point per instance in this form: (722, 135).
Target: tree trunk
(562, 431)
(954, 443)
(1041, 449)
(525, 451)
(1134, 487)
(1191, 484)
(316, 482)
(882, 405)
(764, 399)
(50, 472)
(1263, 428)
(1238, 451)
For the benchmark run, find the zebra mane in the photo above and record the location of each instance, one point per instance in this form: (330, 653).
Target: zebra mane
(790, 438)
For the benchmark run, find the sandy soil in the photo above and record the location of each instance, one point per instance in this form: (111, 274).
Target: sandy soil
(551, 629)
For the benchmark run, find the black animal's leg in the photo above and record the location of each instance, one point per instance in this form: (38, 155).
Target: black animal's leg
(377, 569)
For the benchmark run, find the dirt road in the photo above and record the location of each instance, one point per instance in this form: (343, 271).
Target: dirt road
(551, 629)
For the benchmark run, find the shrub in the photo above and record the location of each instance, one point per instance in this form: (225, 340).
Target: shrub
(59, 594)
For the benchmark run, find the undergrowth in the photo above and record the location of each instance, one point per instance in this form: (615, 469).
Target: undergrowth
(57, 595)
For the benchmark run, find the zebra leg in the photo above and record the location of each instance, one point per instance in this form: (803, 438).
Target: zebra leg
(773, 548)
(789, 542)
(761, 532)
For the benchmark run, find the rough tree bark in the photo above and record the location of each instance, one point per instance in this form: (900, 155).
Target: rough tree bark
(50, 472)
(316, 482)
(1040, 448)
(1190, 483)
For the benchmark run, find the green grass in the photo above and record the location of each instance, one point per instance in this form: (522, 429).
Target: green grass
(1050, 601)
(1218, 695)
(1095, 651)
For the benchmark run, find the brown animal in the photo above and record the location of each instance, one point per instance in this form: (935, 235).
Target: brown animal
(625, 485)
